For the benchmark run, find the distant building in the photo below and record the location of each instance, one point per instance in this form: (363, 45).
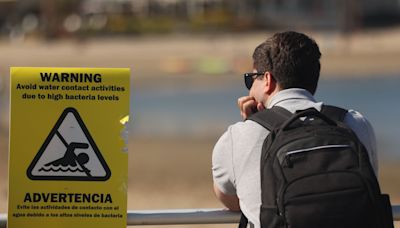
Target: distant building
(326, 14)
(58, 18)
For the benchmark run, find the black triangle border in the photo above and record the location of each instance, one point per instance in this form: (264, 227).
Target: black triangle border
(92, 144)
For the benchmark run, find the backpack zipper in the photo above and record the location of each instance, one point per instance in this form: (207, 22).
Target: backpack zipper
(286, 156)
(316, 148)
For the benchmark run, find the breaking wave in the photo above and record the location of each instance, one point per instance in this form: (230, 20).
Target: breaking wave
(60, 168)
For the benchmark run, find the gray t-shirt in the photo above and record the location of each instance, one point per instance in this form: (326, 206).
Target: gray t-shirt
(236, 156)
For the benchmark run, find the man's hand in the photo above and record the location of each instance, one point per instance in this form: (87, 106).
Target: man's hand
(248, 105)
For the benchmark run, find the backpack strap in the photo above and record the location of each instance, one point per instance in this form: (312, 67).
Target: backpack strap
(271, 118)
(243, 221)
(333, 112)
(276, 116)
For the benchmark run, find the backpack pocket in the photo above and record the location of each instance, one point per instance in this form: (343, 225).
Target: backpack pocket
(307, 161)
(337, 199)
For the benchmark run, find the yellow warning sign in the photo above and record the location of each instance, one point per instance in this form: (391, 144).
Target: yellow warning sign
(68, 159)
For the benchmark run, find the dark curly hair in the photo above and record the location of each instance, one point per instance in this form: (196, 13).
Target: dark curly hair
(292, 58)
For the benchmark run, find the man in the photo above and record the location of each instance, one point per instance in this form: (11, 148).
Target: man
(286, 70)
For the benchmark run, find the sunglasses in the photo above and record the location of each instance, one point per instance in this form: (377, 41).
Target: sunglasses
(249, 78)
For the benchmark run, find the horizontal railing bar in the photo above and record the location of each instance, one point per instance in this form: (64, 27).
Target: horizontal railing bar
(186, 216)
(182, 216)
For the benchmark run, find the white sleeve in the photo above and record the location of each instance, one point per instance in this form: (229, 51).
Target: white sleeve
(365, 133)
(222, 164)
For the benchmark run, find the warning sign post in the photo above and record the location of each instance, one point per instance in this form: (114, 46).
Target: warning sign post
(68, 159)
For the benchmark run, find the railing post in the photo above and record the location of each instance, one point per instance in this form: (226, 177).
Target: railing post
(3, 220)
(396, 212)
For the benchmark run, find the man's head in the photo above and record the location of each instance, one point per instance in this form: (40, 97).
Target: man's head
(291, 58)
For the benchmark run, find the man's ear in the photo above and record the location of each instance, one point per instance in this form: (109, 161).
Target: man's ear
(270, 83)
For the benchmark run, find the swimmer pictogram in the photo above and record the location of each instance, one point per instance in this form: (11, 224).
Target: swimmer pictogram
(69, 153)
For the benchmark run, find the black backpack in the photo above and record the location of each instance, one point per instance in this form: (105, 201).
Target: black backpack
(315, 173)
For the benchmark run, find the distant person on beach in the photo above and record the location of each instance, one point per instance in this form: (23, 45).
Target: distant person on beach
(286, 69)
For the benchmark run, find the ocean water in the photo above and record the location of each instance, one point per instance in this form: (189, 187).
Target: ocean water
(180, 110)
(377, 98)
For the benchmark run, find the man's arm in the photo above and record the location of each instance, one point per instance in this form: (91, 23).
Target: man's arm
(223, 174)
(365, 133)
(230, 201)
